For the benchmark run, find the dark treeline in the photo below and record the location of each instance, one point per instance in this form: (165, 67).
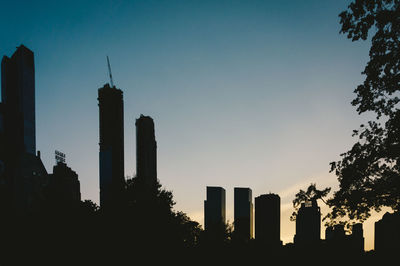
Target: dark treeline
(143, 227)
(145, 220)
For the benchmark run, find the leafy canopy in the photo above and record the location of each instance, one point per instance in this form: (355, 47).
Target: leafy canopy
(309, 195)
(369, 173)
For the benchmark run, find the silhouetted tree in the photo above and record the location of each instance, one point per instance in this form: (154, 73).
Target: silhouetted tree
(311, 194)
(369, 173)
(217, 236)
(89, 206)
(190, 231)
(153, 220)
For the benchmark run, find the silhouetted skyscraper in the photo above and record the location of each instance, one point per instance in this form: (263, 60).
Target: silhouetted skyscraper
(308, 224)
(146, 150)
(24, 174)
(387, 234)
(243, 212)
(357, 237)
(268, 219)
(18, 97)
(214, 207)
(111, 115)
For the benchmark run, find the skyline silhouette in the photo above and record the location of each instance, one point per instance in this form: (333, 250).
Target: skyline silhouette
(63, 186)
(182, 125)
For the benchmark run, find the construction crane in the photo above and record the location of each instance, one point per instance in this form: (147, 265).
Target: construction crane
(109, 71)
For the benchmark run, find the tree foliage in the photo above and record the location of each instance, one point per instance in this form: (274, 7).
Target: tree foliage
(149, 208)
(369, 173)
(309, 195)
(217, 235)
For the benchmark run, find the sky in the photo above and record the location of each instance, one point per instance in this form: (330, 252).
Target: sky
(243, 93)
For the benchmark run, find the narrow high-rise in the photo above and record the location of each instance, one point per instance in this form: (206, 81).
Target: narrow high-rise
(214, 208)
(268, 219)
(18, 98)
(243, 213)
(111, 156)
(146, 150)
(22, 171)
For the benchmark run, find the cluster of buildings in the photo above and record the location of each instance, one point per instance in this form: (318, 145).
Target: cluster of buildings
(25, 183)
(267, 215)
(268, 219)
(111, 155)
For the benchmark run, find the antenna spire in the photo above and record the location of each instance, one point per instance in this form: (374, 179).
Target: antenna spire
(109, 71)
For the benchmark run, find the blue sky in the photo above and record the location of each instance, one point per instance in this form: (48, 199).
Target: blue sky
(243, 93)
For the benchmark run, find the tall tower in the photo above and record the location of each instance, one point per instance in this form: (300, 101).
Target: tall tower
(146, 150)
(18, 97)
(268, 219)
(111, 156)
(23, 173)
(243, 212)
(214, 208)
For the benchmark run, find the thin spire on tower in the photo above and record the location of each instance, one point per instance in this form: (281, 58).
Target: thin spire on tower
(109, 71)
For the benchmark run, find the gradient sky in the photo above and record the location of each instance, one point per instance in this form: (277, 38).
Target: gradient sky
(243, 93)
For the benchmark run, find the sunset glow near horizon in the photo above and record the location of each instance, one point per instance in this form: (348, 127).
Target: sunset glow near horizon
(243, 93)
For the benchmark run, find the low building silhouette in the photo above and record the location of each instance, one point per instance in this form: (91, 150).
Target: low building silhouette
(308, 224)
(337, 240)
(387, 234)
(63, 185)
(1, 118)
(2, 148)
(146, 150)
(1, 122)
(335, 233)
(243, 214)
(268, 220)
(29, 182)
(214, 208)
